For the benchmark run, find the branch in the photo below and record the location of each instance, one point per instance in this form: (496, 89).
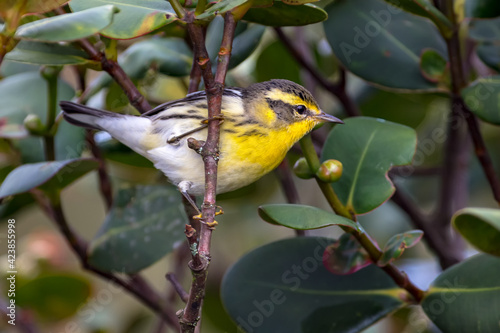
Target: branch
(214, 89)
(115, 71)
(371, 247)
(289, 188)
(137, 286)
(337, 89)
(104, 181)
(177, 287)
(482, 152)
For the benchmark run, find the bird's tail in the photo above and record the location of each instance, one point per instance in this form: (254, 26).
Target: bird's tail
(130, 130)
(84, 116)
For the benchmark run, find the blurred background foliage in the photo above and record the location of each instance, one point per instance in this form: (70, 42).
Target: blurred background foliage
(152, 50)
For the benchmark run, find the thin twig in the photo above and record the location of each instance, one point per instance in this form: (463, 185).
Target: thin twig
(337, 89)
(104, 181)
(482, 153)
(371, 247)
(137, 285)
(289, 188)
(177, 287)
(115, 71)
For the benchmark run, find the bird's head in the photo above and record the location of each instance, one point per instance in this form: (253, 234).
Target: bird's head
(282, 103)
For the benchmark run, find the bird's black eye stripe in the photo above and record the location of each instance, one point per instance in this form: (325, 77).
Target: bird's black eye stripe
(301, 109)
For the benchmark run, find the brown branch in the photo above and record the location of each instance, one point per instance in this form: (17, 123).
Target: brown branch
(104, 181)
(115, 71)
(337, 89)
(172, 278)
(137, 285)
(482, 153)
(214, 88)
(289, 189)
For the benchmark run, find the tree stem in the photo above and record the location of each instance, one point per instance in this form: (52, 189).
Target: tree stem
(400, 278)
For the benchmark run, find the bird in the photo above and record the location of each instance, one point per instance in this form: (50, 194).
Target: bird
(259, 125)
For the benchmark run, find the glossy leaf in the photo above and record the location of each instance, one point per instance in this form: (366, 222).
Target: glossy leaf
(136, 17)
(426, 9)
(275, 62)
(281, 14)
(290, 291)
(54, 296)
(483, 98)
(145, 223)
(375, 145)
(69, 140)
(397, 244)
(490, 55)
(480, 227)
(432, 65)
(49, 54)
(382, 44)
(466, 297)
(47, 176)
(345, 256)
(220, 8)
(247, 38)
(68, 27)
(485, 30)
(302, 217)
(482, 8)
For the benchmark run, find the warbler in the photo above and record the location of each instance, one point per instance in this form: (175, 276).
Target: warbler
(260, 124)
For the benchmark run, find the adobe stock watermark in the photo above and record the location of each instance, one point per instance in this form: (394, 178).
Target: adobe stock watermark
(364, 35)
(291, 278)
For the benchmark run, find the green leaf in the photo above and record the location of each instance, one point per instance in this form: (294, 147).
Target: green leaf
(136, 17)
(480, 227)
(345, 256)
(374, 146)
(483, 98)
(465, 297)
(382, 44)
(247, 38)
(397, 244)
(426, 9)
(485, 30)
(302, 217)
(171, 56)
(432, 65)
(145, 223)
(220, 8)
(482, 8)
(490, 55)
(275, 62)
(48, 54)
(281, 14)
(54, 296)
(68, 27)
(47, 176)
(283, 287)
(26, 93)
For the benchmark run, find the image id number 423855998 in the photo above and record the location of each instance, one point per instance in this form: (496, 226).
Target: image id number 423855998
(11, 272)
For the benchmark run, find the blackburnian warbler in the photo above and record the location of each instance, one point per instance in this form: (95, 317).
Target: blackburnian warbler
(261, 123)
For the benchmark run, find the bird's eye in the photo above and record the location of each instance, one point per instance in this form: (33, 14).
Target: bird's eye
(301, 109)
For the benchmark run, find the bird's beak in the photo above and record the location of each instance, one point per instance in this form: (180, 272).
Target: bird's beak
(327, 118)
